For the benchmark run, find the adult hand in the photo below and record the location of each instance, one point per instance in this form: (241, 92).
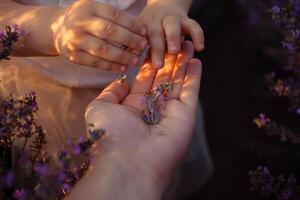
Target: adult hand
(90, 33)
(153, 152)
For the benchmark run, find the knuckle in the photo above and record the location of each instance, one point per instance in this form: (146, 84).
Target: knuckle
(103, 49)
(116, 14)
(192, 22)
(156, 31)
(110, 30)
(170, 18)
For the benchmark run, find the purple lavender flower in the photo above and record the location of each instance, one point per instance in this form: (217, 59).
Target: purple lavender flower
(8, 40)
(275, 9)
(9, 179)
(153, 101)
(283, 188)
(61, 176)
(295, 33)
(261, 121)
(286, 194)
(41, 169)
(15, 27)
(2, 35)
(76, 149)
(34, 173)
(20, 194)
(287, 45)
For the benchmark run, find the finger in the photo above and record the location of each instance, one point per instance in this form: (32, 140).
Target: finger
(190, 90)
(84, 58)
(144, 80)
(165, 74)
(173, 32)
(179, 71)
(117, 16)
(157, 42)
(111, 32)
(114, 92)
(105, 50)
(192, 28)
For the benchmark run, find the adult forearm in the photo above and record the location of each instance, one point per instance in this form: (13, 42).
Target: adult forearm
(37, 21)
(186, 4)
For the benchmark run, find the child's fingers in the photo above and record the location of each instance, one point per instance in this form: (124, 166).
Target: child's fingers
(164, 74)
(84, 58)
(192, 28)
(157, 42)
(173, 32)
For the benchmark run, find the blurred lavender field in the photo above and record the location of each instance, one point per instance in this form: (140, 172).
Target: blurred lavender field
(236, 59)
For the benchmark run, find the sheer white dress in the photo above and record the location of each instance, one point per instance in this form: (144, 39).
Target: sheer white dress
(64, 89)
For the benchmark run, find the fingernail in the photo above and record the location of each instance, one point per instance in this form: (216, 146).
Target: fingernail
(158, 64)
(143, 44)
(135, 60)
(143, 31)
(173, 50)
(200, 47)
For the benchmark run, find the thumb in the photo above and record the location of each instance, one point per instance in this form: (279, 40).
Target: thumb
(115, 92)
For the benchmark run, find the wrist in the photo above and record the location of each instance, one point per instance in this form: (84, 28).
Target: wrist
(132, 180)
(55, 25)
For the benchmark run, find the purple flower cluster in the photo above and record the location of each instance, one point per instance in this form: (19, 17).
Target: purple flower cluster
(288, 88)
(29, 172)
(153, 102)
(285, 84)
(279, 188)
(17, 118)
(8, 40)
(287, 18)
(278, 131)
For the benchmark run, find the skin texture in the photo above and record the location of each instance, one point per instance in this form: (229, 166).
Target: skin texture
(167, 22)
(86, 32)
(135, 160)
(90, 33)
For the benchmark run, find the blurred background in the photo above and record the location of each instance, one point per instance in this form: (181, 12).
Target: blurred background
(239, 52)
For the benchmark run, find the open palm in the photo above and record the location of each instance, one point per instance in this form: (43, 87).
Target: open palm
(157, 148)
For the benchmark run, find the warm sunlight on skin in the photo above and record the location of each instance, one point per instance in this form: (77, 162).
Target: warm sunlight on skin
(28, 19)
(67, 35)
(90, 33)
(133, 151)
(86, 32)
(168, 62)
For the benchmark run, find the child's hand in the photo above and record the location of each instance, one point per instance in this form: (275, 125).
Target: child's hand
(166, 22)
(90, 33)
